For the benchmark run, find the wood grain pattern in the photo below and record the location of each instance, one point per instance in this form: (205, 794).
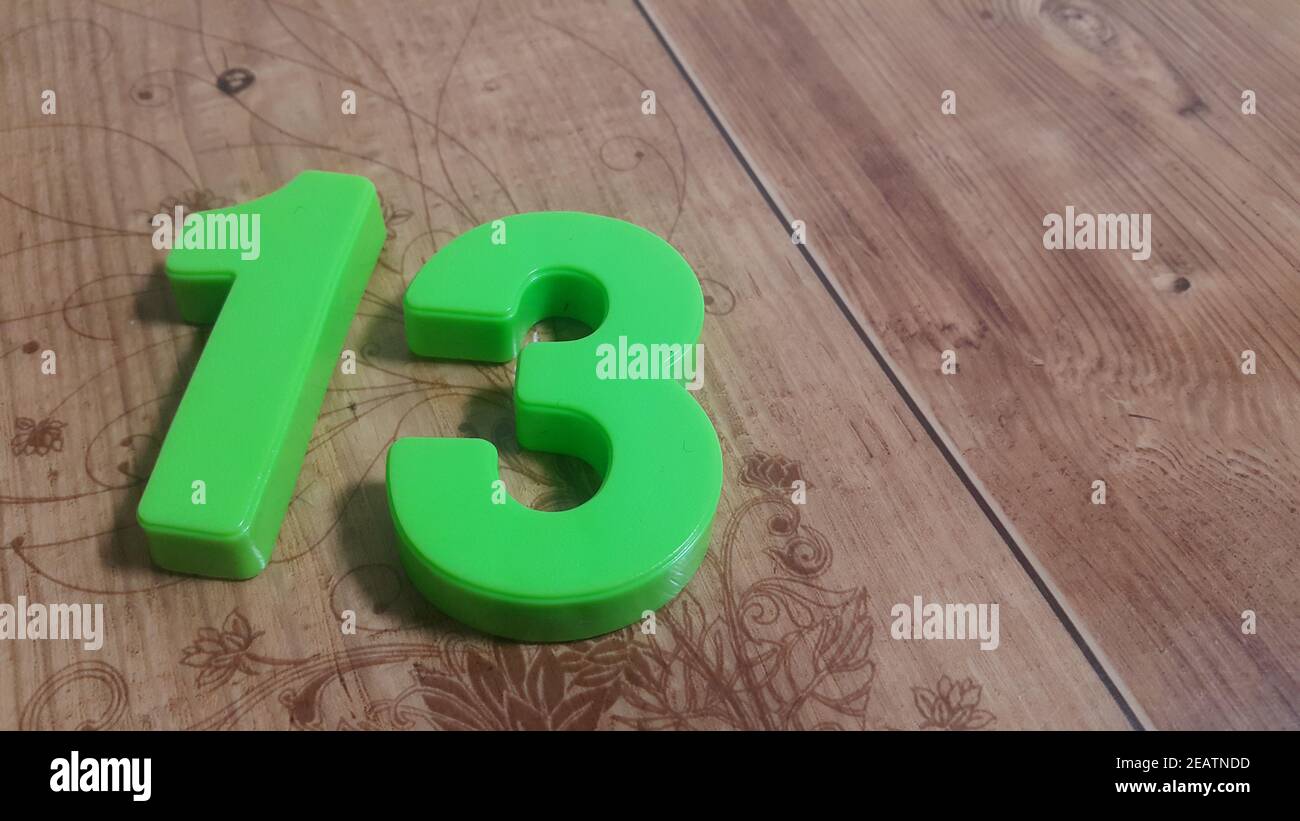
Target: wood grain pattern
(466, 111)
(1074, 366)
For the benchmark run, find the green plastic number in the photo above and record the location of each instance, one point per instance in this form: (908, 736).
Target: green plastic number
(498, 565)
(223, 480)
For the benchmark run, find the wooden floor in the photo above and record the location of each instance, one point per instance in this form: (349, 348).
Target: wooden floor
(924, 234)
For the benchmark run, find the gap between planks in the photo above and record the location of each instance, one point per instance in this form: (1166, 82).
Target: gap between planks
(1001, 523)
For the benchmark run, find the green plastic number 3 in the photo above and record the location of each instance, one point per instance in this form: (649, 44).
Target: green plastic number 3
(614, 398)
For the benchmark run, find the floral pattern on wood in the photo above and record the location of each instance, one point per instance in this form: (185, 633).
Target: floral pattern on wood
(952, 706)
(36, 438)
(765, 637)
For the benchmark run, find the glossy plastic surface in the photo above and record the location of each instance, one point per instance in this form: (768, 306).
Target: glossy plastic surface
(483, 557)
(223, 480)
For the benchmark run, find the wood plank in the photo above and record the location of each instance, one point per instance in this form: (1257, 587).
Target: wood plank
(466, 111)
(1073, 366)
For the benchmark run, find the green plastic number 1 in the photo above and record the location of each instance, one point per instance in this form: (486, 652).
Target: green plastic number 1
(504, 568)
(224, 477)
